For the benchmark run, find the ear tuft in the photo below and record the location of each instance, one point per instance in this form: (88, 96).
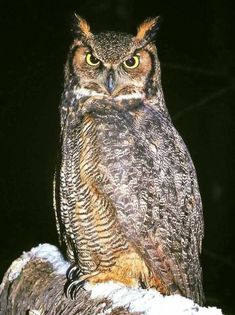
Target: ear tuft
(147, 31)
(81, 28)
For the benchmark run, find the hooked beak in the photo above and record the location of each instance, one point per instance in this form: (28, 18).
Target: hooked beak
(110, 82)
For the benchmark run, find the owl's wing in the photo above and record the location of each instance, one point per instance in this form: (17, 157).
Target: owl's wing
(153, 185)
(64, 198)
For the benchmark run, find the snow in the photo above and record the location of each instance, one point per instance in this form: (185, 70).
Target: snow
(46, 252)
(16, 267)
(148, 302)
(51, 254)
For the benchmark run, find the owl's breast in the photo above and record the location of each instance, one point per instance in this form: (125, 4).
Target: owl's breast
(136, 145)
(147, 167)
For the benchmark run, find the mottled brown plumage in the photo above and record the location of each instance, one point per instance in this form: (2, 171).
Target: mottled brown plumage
(129, 206)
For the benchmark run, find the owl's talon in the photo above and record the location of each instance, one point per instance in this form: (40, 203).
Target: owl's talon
(74, 273)
(142, 284)
(75, 281)
(72, 288)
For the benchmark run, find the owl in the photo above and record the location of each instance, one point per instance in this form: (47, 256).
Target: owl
(127, 201)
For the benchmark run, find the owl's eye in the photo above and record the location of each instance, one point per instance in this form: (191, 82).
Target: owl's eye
(91, 60)
(132, 63)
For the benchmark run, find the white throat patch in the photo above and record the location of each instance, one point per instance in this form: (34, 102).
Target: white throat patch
(83, 92)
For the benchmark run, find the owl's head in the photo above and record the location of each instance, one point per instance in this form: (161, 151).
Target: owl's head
(114, 65)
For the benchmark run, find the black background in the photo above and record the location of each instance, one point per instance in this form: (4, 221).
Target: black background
(196, 49)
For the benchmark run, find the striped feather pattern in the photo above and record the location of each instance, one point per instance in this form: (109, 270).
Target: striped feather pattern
(88, 215)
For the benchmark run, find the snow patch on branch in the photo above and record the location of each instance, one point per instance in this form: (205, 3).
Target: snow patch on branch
(148, 302)
(136, 300)
(17, 266)
(47, 252)
(51, 254)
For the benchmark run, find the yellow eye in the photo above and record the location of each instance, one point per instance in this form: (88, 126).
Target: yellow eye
(132, 63)
(91, 60)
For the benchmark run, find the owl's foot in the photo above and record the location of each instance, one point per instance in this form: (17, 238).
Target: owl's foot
(142, 284)
(75, 282)
(72, 288)
(73, 272)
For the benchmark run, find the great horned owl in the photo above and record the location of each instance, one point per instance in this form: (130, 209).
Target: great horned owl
(129, 206)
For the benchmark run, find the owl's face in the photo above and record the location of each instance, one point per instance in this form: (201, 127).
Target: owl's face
(114, 65)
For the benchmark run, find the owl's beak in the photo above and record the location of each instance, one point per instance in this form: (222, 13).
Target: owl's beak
(110, 82)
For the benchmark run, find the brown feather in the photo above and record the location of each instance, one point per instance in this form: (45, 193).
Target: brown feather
(83, 26)
(148, 29)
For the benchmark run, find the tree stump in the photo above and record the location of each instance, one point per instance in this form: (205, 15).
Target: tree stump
(34, 285)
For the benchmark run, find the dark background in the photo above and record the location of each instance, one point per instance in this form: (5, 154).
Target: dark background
(196, 49)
